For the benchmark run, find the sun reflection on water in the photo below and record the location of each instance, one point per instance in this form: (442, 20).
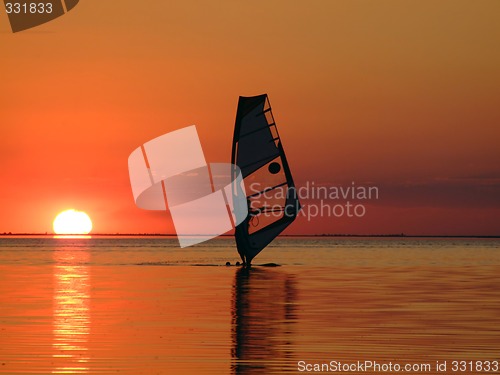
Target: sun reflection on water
(71, 316)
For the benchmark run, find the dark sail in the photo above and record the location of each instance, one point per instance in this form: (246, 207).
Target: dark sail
(271, 196)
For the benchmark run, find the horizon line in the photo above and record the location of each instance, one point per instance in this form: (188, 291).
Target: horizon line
(393, 235)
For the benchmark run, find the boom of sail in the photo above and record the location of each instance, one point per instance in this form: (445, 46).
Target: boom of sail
(270, 191)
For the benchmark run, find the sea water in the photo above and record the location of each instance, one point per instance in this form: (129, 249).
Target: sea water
(133, 305)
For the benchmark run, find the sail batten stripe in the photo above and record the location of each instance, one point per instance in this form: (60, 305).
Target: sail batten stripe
(267, 189)
(257, 130)
(264, 112)
(266, 159)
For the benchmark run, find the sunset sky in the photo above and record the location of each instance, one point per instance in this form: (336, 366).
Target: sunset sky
(401, 95)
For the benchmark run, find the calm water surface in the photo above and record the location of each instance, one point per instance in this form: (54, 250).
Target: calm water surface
(144, 306)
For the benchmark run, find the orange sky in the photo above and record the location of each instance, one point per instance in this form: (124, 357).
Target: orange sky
(399, 95)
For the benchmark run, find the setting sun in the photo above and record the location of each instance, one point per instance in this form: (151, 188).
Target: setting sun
(72, 222)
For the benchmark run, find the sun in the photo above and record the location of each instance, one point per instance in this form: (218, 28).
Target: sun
(72, 222)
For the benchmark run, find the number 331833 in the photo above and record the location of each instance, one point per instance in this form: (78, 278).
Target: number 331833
(28, 8)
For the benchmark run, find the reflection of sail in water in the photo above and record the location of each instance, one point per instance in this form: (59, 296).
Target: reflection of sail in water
(263, 313)
(71, 311)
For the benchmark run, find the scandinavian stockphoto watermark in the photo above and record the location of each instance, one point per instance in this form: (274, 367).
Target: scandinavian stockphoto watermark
(206, 200)
(317, 200)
